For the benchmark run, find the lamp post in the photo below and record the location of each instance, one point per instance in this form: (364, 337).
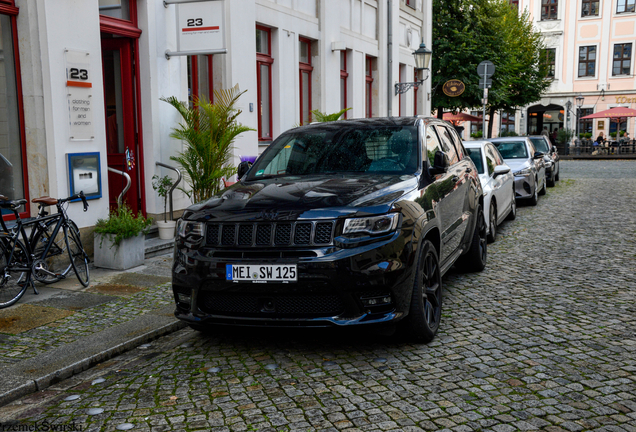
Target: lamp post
(422, 60)
(579, 103)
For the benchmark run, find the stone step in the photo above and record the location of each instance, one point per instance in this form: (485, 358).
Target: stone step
(154, 246)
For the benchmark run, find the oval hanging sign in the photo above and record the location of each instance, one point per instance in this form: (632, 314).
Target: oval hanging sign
(453, 88)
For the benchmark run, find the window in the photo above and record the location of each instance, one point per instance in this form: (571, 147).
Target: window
(589, 8)
(115, 9)
(306, 68)
(368, 93)
(625, 6)
(12, 151)
(587, 61)
(476, 127)
(264, 62)
(587, 125)
(475, 156)
(457, 142)
(549, 9)
(548, 57)
(490, 162)
(344, 75)
(447, 144)
(200, 78)
(507, 121)
(622, 59)
(411, 3)
(432, 145)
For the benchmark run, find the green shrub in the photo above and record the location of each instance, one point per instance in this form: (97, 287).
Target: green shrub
(613, 134)
(477, 134)
(123, 224)
(588, 135)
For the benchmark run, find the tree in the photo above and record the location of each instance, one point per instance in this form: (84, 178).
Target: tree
(467, 32)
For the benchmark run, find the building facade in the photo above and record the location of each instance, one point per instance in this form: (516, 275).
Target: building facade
(81, 83)
(589, 51)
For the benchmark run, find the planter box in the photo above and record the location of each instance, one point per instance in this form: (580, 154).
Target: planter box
(129, 253)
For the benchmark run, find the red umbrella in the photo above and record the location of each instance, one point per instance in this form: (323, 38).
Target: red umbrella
(612, 113)
(460, 117)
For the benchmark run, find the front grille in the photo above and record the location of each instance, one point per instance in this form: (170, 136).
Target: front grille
(270, 234)
(252, 305)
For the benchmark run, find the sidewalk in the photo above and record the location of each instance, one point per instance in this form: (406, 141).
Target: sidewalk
(68, 328)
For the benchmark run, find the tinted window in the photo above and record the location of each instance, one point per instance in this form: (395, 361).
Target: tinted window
(475, 156)
(495, 153)
(541, 145)
(491, 162)
(457, 142)
(512, 149)
(323, 150)
(432, 145)
(447, 144)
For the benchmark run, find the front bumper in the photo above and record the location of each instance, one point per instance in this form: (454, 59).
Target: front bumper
(334, 285)
(524, 187)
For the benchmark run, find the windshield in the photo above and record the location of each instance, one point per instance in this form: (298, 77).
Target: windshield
(512, 149)
(340, 149)
(540, 145)
(475, 155)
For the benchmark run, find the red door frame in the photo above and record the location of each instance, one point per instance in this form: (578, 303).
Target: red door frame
(305, 68)
(7, 8)
(129, 29)
(266, 60)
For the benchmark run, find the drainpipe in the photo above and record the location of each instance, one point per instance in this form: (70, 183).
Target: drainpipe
(390, 59)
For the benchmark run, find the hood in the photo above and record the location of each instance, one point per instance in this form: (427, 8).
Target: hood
(307, 197)
(517, 164)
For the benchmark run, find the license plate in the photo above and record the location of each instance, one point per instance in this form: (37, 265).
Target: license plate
(261, 273)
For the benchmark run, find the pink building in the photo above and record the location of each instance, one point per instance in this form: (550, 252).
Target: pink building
(589, 48)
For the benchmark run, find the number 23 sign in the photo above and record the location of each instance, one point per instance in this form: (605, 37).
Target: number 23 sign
(200, 26)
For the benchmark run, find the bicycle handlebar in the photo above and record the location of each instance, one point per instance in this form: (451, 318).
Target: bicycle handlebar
(74, 197)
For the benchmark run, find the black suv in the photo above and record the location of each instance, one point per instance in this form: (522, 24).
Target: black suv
(336, 224)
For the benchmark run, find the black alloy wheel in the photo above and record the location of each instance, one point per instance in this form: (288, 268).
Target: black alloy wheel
(425, 312)
(492, 229)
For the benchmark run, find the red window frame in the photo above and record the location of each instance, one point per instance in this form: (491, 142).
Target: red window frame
(194, 73)
(8, 8)
(305, 69)
(344, 75)
(264, 59)
(368, 77)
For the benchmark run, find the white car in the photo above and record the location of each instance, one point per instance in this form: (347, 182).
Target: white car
(498, 184)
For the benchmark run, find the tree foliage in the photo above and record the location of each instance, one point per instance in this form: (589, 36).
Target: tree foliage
(209, 130)
(467, 32)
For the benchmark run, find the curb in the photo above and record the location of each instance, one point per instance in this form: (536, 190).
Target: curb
(42, 382)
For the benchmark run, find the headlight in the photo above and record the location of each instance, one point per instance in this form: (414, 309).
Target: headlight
(371, 225)
(189, 230)
(523, 172)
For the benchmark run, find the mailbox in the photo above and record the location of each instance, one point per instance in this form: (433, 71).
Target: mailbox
(84, 174)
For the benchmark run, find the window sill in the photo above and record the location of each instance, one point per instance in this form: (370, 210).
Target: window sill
(622, 77)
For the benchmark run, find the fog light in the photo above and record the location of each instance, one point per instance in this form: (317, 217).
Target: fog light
(376, 301)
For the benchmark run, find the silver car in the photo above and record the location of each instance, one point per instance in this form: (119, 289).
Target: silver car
(550, 157)
(526, 164)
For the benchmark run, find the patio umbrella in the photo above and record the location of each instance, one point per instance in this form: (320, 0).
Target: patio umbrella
(460, 117)
(611, 113)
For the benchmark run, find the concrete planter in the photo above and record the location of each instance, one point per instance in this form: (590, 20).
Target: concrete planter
(166, 229)
(129, 253)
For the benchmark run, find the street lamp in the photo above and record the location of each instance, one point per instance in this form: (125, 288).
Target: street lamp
(579, 103)
(422, 60)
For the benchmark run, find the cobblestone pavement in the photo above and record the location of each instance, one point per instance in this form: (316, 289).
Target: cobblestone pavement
(543, 339)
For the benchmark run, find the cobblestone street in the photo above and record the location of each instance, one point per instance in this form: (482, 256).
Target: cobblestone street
(543, 339)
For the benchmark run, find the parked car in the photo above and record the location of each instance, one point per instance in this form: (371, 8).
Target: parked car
(526, 164)
(336, 224)
(498, 184)
(550, 157)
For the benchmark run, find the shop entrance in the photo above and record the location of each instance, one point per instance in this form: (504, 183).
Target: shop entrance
(121, 121)
(550, 117)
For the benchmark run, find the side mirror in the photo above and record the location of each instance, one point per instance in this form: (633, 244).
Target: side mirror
(243, 168)
(501, 169)
(538, 155)
(440, 163)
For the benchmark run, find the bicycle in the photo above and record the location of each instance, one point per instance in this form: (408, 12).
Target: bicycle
(31, 258)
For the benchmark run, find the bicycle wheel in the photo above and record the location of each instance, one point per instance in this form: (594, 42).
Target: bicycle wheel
(79, 259)
(13, 282)
(56, 264)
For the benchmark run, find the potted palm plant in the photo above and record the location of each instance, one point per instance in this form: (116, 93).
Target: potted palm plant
(162, 185)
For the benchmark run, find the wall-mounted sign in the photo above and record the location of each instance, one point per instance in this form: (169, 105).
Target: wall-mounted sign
(79, 95)
(200, 26)
(453, 88)
(84, 174)
(601, 124)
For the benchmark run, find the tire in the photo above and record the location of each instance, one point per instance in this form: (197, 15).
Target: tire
(558, 171)
(77, 255)
(552, 181)
(13, 283)
(513, 208)
(425, 312)
(492, 228)
(475, 259)
(544, 188)
(56, 261)
(535, 197)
